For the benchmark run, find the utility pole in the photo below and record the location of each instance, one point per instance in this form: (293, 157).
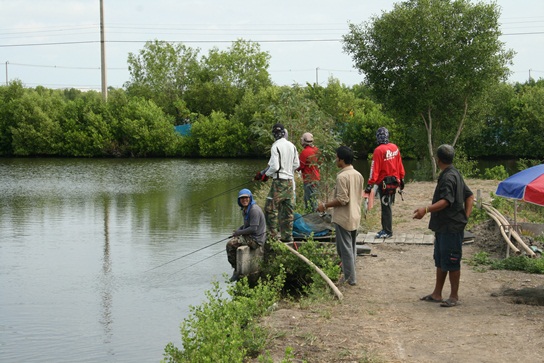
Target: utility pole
(7, 73)
(529, 74)
(103, 53)
(317, 76)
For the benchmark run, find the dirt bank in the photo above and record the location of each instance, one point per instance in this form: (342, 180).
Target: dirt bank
(381, 319)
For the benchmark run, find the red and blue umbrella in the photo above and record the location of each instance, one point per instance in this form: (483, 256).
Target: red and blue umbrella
(527, 185)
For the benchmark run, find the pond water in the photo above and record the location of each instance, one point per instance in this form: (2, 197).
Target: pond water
(77, 241)
(91, 252)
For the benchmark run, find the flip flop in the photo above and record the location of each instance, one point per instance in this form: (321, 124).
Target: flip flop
(449, 303)
(430, 298)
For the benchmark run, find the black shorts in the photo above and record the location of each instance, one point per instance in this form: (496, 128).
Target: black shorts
(448, 250)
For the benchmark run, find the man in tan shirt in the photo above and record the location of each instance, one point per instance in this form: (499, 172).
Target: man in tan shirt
(346, 216)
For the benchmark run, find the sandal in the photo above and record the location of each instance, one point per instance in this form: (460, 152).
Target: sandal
(430, 298)
(449, 303)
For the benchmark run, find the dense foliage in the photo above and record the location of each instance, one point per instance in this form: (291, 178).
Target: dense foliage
(44, 122)
(429, 62)
(229, 101)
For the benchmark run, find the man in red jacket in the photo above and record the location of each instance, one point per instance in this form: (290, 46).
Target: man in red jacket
(387, 172)
(310, 171)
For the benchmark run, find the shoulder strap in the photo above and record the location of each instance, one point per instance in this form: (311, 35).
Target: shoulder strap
(279, 159)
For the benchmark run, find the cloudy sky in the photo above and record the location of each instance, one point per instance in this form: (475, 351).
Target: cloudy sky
(56, 43)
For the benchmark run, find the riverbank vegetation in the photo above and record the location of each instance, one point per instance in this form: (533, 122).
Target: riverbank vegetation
(230, 102)
(70, 123)
(227, 326)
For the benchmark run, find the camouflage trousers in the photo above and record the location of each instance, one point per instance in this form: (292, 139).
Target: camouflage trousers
(237, 241)
(279, 205)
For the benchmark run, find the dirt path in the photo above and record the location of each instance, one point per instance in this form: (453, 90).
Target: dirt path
(381, 319)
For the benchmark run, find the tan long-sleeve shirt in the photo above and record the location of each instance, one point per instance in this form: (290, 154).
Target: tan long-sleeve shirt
(349, 192)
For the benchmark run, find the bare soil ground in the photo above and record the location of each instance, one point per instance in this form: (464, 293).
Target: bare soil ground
(382, 319)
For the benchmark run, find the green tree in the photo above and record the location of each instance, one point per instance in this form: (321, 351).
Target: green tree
(491, 133)
(36, 128)
(292, 107)
(86, 131)
(356, 117)
(164, 72)
(219, 137)
(9, 96)
(140, 128)
(430, 60)
(226, 76)
(527, 117)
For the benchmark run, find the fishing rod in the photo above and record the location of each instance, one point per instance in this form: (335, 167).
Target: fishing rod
(187, 254)
(197, 262)
(215, 254)
(200, 249)
(226, 191)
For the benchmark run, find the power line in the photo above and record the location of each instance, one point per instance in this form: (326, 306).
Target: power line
(62, 67)
(207, 41)
(170, 41)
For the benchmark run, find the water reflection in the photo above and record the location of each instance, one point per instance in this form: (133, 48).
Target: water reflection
(107, 280)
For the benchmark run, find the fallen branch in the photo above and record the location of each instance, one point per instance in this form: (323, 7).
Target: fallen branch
(321, 273)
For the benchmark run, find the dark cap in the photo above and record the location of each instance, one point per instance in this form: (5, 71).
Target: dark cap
(278, 131)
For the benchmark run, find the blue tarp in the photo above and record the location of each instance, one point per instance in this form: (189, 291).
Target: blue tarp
(303, 229)
(183, 130)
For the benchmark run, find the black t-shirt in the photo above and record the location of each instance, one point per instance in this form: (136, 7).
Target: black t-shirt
(453, 189)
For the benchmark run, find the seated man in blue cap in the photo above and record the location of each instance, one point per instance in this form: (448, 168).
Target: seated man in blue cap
(252, 233)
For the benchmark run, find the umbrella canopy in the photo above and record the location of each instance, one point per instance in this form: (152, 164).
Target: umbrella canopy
(527, 185)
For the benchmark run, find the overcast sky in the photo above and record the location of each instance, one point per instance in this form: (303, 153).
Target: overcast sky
(55, 43)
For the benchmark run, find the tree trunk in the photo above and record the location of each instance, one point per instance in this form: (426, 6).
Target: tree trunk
(429, 127)
(461, 123)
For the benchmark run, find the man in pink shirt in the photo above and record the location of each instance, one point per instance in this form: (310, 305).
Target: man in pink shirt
(310, 171)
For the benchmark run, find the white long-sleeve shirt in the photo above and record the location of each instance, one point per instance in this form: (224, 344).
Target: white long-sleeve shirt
(283, 160)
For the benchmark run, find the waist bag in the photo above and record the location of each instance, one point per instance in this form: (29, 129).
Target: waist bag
(390, 185)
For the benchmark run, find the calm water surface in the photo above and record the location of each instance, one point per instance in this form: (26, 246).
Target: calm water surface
(77, 241)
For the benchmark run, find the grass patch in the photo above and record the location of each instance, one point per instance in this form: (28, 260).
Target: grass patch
(481, 261)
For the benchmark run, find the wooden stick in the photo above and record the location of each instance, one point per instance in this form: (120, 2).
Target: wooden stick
(321, 273)
(501, 229)
(490, 209)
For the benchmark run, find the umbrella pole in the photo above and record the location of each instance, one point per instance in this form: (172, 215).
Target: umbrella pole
(515, 215)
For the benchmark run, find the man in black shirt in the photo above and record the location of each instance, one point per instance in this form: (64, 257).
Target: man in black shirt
(450, 209)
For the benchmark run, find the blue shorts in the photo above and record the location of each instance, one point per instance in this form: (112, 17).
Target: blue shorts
(448, 250)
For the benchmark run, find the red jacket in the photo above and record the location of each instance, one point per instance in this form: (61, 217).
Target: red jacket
(309, 164)
(386, 161)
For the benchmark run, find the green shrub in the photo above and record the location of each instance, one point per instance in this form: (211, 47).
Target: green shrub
(479, 259)
(523, 164)
(301, 279)
(224, 329)
(478, 215)
(520, 263)
(495, 173)
(513, 263)
(466, 166)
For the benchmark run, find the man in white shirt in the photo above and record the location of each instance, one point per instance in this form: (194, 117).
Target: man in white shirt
(279, 202)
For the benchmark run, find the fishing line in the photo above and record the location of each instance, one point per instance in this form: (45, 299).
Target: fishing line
(200, 249)
(187, 254)
(191, 265)
(215, 196)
